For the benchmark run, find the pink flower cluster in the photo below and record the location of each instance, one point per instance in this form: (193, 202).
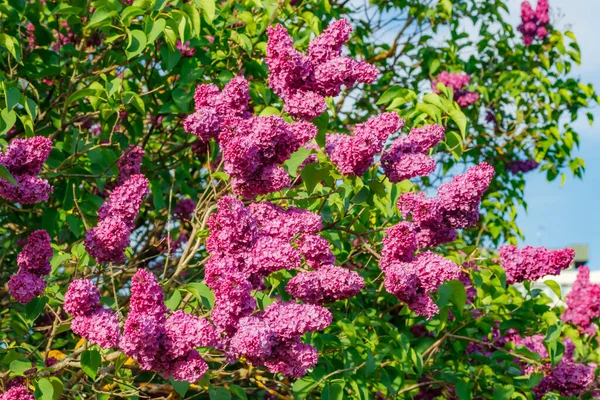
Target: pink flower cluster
(521, 166)
(24, 159)
(353, 155)
(215, 110)
(108, 240)
(534, 22)
(583, 302)
(18, 392)
(273, 338)
(90, 320)
(433, 222)
(186, 50)
(34, 263)
(130, 162)
(64, 39)
(303, 81)
(532, 263)
(412, 282)
(567, 378)
(407, 158)
(184, 209)
(326, 284)
(248, 244)
(253, 147)
(457, 82)
(164, 344)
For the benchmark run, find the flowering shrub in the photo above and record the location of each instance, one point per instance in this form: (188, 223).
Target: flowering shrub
(259, 199)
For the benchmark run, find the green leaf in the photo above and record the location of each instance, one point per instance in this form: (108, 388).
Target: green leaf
(136, 44)
(11, 45)
(219, 393)
(463, 390)
(18, 367)
(6, 175)
(80, 94)
(503, 392)
(7, 121)
(181, 387)
(209, 8)
(182, 99)
(174, 300)
(156, 30)
(58, 387)
(461, 120)
(333, 390)
(130, 13)
(431, 110)
(267, 111)
(296, 160)
(32, 108)
(35, 307)
(313, 174)
(389, 95)
(202, 293)
(134, 99)
(44, 389)
(75, 225)
(453, 292)
(157, 196)
(302, 386)
(100, 15)
(554, 286)
(12, 96)
(238, 392)
(377, 187)
(553, 334)
(170, 57)
(90, 362)
(361, 196)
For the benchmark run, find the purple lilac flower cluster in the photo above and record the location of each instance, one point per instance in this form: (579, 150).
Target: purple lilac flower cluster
(185, 49)
(412, 282)
(521, 166)
(253, 147)
(532, 263)
(273, 338)
(108, 240)
(568, 377)
(24, 159)
(34, 264)
(130, 162)
(17, 392)
(164, 344)
(407, 157)
(457, 82)
(248, 244)
(216, 110)
(64, 39)
(184, 209)
(433, 222)
(90, 320)
(583, 302)
(353, 155)
(304, 80)
(534, 22)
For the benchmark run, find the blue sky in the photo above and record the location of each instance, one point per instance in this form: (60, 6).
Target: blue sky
(558, 215)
